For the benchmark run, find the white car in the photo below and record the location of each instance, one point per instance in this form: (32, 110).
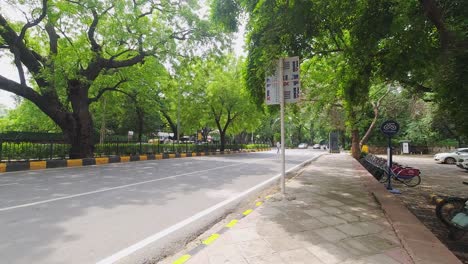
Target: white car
(463, 163)
(451, 157)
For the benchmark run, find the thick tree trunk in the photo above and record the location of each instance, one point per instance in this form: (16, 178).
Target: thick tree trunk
(355, 150)
(78, 126)
(222, 136)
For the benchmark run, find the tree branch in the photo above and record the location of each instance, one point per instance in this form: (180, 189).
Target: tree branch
(434, 14)
(19, 89)
(108, 89)
(34, 22)
(53, 38)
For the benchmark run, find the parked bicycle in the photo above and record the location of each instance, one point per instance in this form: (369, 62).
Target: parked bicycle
(407, 175)
(453, 212)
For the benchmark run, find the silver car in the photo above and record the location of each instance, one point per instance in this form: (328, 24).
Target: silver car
(451, 157)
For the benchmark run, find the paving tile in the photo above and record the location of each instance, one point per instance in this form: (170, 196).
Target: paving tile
(348, 217)
(355, 247)
(331, 234)
(271, 230)
(380, 259)
(352, 229)
(243, 234)
(297, 215)
(378, 243)
(308, 238)
(333, 202)
(223, 259)
(283, 243)
(267, 259)
(255, 248)
(299, 256)
(331, 220)
(332, 210)
(371, 227)
(315, 212)
(329, 253)
(312, 223)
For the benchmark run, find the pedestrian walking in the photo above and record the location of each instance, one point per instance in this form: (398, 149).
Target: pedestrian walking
(278, 147)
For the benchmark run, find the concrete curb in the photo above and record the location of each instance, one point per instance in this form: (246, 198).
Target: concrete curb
(47, 164)
(420, 243)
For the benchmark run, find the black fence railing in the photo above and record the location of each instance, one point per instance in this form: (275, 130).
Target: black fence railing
(15, 146)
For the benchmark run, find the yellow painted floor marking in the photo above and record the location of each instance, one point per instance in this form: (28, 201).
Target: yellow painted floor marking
(210, 239)
(247, 212)
(268, 197)
(232, 223)
(258, 203)
(182, 259)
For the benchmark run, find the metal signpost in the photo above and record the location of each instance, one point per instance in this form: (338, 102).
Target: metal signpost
(280, 88)
(390, 128)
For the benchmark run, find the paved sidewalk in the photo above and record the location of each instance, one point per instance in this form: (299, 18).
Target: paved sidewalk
(334, 219)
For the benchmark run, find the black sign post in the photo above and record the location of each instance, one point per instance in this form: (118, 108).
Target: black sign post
(390, 128)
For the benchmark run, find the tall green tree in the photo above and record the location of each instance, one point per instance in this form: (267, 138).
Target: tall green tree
(75, 51)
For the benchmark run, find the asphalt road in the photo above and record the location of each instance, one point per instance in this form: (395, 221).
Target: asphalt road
(88, 214)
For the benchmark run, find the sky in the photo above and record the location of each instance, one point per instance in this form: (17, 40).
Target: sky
(8, 70)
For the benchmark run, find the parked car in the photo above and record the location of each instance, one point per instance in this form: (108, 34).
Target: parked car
(303, 146)
(451, 157)
(316, 146)
(463, 163)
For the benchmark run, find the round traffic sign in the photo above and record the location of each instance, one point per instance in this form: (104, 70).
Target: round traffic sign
(390, 128)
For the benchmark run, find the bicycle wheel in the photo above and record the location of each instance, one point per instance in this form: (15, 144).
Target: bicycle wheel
(411, 182)
(448, 208)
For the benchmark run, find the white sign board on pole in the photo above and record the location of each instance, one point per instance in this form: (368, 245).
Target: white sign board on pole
(280, 88)
(405, 148)
(272, 91)
(291, 82)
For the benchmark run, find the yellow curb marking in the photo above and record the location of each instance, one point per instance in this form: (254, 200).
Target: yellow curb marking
(125, 159)
(143, 157)
(183, 155)
(74, 162)
(211, 239)
(232, 223)
(258, 203)
(247, 212)
(2, 167)
(268, 197)
(159, 156)
(171, 156)
(100, 161)
(182, 259)
(37, 165)
(194, 154)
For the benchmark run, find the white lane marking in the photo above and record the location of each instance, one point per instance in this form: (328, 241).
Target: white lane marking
(7, 184)
(109, 189)
(153, 238)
